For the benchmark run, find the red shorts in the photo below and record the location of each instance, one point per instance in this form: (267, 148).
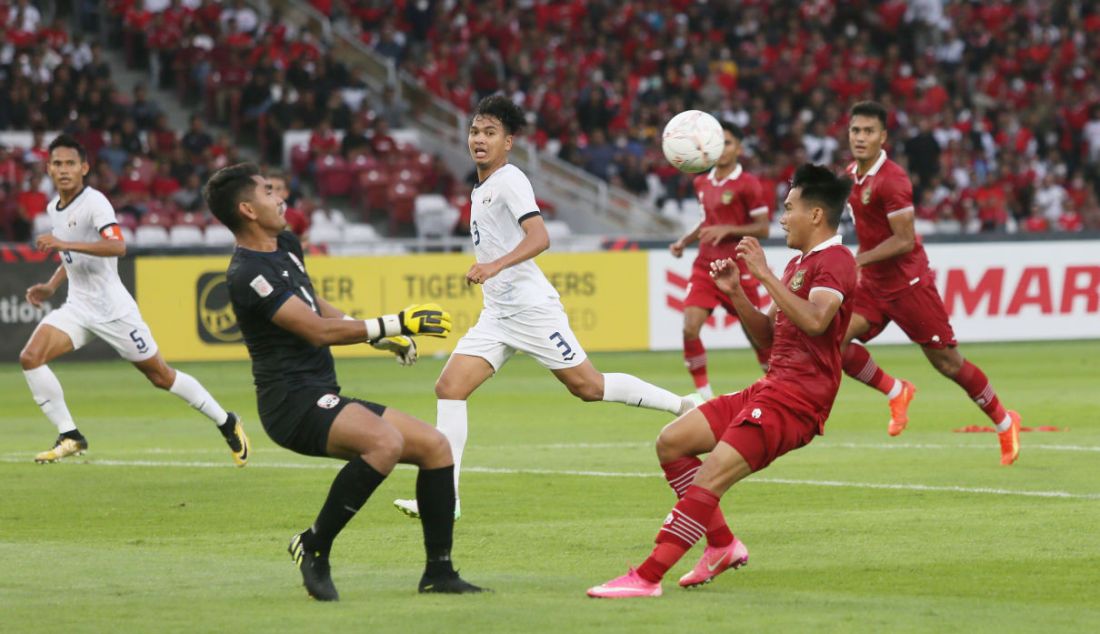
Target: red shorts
(704, 293)
(758, 425)
(918, 311)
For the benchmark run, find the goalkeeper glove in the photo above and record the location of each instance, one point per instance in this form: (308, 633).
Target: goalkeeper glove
(425, 319)
(403, 348)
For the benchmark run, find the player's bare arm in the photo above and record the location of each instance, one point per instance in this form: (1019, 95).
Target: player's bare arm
(758, 325)
(902, 241)
(758, 228)
(297, 317)
(812, 316)
(39, 293)
(328, 311)
(686, 240)
(535, 241)
(106, 247)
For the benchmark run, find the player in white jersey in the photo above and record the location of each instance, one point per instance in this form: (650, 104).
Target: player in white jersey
(521, 310)
(86, 236)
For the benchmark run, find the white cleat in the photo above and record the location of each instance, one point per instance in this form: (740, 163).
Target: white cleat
(689, 402)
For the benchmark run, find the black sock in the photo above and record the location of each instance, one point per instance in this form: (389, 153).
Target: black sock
(435, 495)
(74, 434)
(229, 426)
(349, 491)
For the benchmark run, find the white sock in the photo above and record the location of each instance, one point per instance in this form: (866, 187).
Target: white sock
(894, 391)
(1004, 424)
(624, 388)
(706, 392)
(48, 395)
(450, 420)
(186, 387)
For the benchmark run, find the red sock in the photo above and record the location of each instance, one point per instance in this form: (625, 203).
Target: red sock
(695, 358)
(684, 526)
(859, 365)
(680, 473)
(978, 388)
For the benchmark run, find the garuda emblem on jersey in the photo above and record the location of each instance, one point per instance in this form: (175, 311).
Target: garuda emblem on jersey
(727, 197)
(865, 197)
(796, 281)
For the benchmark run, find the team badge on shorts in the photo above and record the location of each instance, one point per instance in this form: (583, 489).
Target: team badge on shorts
(796, 281)
(865, 197)
(328, 401)
(727, 197)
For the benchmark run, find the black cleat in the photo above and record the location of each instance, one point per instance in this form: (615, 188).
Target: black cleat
(448, 583)
(316, 575)
(234, 435)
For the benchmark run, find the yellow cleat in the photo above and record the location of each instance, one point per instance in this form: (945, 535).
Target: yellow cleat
(63, 448)
(238, 443)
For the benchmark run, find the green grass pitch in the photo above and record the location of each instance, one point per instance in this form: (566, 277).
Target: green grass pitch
(154, 531)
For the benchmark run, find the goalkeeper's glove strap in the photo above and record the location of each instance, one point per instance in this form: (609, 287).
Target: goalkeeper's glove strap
(381, 327)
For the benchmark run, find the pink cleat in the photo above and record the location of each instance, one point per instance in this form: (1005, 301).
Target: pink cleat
(714, 562)
(625, 587)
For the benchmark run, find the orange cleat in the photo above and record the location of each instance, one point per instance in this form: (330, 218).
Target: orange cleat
(1010, 440)
(899, 408)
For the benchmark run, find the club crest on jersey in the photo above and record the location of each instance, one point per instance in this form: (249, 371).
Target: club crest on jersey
(727, 197)
(796, 281)
(865, 197)
(487, 198)
(328, 401)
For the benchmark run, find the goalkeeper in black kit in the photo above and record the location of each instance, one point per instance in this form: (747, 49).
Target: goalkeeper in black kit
(288, 328)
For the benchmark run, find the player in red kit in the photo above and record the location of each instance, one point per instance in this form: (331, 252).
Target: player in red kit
(734, 205)
(745, 431)
(895, 284)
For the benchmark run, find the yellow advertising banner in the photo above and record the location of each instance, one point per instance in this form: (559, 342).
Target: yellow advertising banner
(185, 303)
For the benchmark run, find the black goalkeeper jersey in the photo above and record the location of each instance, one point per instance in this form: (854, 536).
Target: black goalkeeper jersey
(259, 283)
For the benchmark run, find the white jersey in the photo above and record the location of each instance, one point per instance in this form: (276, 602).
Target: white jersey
(497, 207)
(94, 286)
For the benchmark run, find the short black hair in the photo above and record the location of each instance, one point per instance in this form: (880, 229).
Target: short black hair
(225, 189)
(869, 109)
(733, 129)
(820, 186)
(64, 140)
(505, 110)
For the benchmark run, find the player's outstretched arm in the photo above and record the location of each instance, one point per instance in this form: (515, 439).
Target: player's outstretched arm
(108, 247)
(758, 228)
(419, 319)
(686, 240)
(535, 241)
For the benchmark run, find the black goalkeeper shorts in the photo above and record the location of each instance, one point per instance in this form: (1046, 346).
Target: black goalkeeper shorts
(300, 420)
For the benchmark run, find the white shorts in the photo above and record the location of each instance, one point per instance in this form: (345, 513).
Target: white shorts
(540, 331)
(128, 335)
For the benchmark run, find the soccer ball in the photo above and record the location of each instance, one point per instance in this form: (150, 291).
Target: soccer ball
(692, 141)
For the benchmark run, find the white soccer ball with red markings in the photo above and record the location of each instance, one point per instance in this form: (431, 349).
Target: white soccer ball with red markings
(693, 141)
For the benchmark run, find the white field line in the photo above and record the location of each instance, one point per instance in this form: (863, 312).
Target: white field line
(604, 474)
(817, 446)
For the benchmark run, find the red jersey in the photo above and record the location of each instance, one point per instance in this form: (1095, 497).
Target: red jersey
(883, 191)
(734, 200)
(806, 370)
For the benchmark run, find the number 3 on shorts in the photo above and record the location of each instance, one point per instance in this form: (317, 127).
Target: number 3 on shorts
(135, 334)
(566, 349)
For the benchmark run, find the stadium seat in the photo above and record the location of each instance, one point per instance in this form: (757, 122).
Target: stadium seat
(216, 235)
(127, 234)
(374, 184)
(671, 209)
(434, 216)
(401, 201)
(151, 236)
(326, 233)
(333, 177)
(300, 158)
(558, 230)
(359, 233)
(185, 236)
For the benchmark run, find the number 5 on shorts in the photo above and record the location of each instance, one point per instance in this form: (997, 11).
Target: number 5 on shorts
(141, 345)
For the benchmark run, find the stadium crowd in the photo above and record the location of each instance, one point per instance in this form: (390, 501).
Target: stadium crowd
(996, 114)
